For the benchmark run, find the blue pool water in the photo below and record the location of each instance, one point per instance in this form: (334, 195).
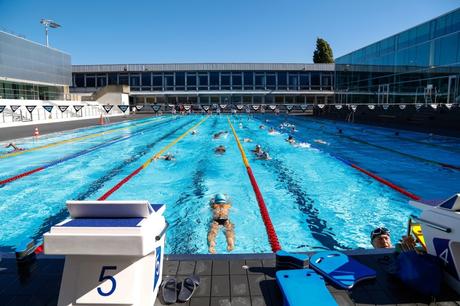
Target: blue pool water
(315, 200)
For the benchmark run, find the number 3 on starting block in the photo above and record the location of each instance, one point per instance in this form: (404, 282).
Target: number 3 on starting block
(108, 283)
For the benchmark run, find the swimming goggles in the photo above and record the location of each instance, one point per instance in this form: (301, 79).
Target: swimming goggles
(379, 231)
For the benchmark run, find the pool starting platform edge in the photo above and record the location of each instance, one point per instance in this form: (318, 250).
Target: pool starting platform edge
(239, 279)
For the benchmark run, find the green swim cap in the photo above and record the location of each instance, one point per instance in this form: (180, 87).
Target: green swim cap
(220, 199)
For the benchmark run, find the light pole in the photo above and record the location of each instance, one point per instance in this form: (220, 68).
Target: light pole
(49, 24)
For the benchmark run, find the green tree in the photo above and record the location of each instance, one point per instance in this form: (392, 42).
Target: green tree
(323, 53)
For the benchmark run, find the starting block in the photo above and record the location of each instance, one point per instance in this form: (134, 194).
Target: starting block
(114, 252)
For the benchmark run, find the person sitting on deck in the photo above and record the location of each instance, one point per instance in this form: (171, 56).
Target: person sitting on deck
(220, 211)
(15, 148)
(220, 149)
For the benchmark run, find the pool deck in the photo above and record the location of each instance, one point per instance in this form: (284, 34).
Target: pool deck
(15, 132)
(246, 279)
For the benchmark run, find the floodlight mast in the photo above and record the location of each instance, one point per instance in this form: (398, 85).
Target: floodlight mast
(49, 24)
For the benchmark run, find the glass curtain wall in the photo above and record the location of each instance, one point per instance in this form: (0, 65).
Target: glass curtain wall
(420, 65)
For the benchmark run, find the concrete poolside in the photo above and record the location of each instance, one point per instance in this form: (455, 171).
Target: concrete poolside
(15, 132)
(246, 279)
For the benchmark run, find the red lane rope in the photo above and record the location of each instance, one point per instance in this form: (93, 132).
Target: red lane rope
(121, 183)
(389, 184)
(13, 178)
(271, 233)
(272, 237)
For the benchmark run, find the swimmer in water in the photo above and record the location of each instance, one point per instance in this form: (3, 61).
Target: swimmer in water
(247, 140)
(264, 156)
(220, 217)
(290, 139)
(15, 147)
(320, 141)
(167, 156)
(262, 127)
(217, 135)
(220, 149)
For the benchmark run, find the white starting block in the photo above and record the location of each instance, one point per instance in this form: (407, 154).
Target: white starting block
(441, 229)
(114, 252)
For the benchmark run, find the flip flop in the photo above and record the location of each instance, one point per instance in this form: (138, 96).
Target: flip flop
(188, 287)
(169, 290)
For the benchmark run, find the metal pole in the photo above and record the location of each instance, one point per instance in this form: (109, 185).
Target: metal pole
(46, 34)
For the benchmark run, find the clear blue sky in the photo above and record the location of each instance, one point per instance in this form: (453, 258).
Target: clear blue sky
(173, 31)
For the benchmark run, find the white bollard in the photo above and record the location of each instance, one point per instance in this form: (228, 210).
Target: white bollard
(114, 252)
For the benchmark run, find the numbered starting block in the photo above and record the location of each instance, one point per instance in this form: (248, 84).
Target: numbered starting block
(114, 252)
(440, 222)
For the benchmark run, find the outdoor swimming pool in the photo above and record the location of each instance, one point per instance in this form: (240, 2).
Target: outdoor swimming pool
(315, 199)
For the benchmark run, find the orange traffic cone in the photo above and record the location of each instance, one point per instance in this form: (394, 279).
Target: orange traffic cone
(101, 120)
(36, 132)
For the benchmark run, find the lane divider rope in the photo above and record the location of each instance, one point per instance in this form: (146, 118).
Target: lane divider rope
(371, 131)
(421, 159)
(54, 144)
(74, 155)
(271, 233)
(147, 163)
(372, 175)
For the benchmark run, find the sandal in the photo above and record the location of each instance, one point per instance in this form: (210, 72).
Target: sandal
(188, 287)
(169, 290)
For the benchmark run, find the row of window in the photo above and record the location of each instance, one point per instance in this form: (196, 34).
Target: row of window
(10, 90)
(248, 80)
(383, 52)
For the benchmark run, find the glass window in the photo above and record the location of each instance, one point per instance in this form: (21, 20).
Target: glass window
(304, 81)
(123, 79)
(169, 81)
(446, 50)
(282, 81)
(113, 79)
(326, 83)
(146, 79)
(315, 80)
(423, 32)
(203, 82)
(191, 81)
(293, 81)
(180, 80)
(214, 80)
(260, 81)
(101, 80)
(236, 81)
(157, 82)
(225, 81)
(248, 80)
(270, 81)
(79, 80)
(90, 80)
(135, 80)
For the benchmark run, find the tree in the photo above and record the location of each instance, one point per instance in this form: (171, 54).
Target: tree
(323, 53)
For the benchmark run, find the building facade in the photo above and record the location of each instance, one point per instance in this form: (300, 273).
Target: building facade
(205, 84)
(418, 66)
(32, 71)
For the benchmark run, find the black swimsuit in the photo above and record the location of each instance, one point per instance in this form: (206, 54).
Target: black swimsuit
(221, 221)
